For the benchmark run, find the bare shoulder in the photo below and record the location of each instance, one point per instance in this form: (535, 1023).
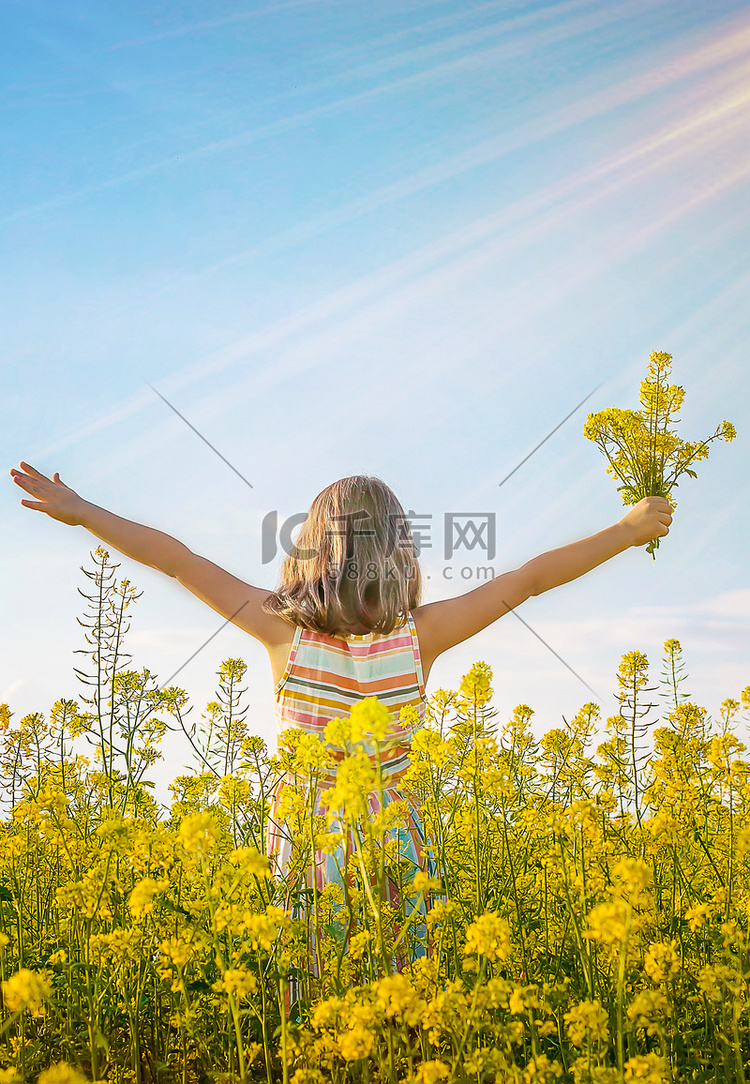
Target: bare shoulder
(441, 625)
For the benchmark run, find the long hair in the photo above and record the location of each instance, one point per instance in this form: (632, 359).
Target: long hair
(354, 562)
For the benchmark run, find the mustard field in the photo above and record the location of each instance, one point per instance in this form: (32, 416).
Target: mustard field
(582, 915)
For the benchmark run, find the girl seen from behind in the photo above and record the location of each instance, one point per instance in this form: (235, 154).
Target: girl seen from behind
(347, 623)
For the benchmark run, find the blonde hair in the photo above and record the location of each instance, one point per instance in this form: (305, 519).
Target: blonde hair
(338, 574)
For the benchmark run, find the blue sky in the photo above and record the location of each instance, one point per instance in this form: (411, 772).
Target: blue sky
(397, 238)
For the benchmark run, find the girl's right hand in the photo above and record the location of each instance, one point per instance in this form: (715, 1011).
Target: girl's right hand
(53, 496)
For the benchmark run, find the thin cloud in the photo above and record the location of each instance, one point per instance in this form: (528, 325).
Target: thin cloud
(186, 29)
(686, 141)
(730, 46)
(445, 71)
(9, 691)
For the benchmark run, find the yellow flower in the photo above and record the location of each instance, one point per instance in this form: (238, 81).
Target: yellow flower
(429, 744)
(237, 980)
(644, 1006)
(409, 718)
(476, 684)
(291, 802)
(117, 944)
(709, 981)
(311, 757)
(326, 1013)
(586, 1073)
(264, 929)
(86, 897)
(489, 935)
(113, 829)
(662, 961)
(647, 1069)
(176, 951)
(607, 921)
(141, 899)
(355, 779)
(540, 1070)
(632, 879)
(251, 861)
(308, 1076)
(430, 1072)
(371, 718)
(397, 996)
(641, 448)
(331, 897)
(61, 1073)
(422, 882)
(233, 791)
(587, 1023)
(338, 732)
(358, 944)
(696, 915)
(328, 842)
(27, 990)
(440, 913)
(356, 1043)
(199, 834)
(389, 817)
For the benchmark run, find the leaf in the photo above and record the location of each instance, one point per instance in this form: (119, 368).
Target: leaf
(101, 1041)
(175, 908)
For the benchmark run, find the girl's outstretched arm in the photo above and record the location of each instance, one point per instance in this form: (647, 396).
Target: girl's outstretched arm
(444, 624)
(229, 596)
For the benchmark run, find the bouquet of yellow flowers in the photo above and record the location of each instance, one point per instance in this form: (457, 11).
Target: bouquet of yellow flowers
(642, 448)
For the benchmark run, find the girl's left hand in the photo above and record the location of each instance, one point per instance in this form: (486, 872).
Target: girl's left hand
(648, 519)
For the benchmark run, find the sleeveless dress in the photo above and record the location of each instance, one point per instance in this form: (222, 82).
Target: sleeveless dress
(323, 678)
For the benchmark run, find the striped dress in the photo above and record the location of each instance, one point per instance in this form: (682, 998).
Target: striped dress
(323, 678)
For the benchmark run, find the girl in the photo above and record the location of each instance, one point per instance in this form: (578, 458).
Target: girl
(347, 622)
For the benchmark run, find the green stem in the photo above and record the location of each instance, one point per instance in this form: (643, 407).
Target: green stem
(621, 994)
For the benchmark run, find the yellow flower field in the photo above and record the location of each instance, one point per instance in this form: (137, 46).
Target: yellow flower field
(588, 891)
